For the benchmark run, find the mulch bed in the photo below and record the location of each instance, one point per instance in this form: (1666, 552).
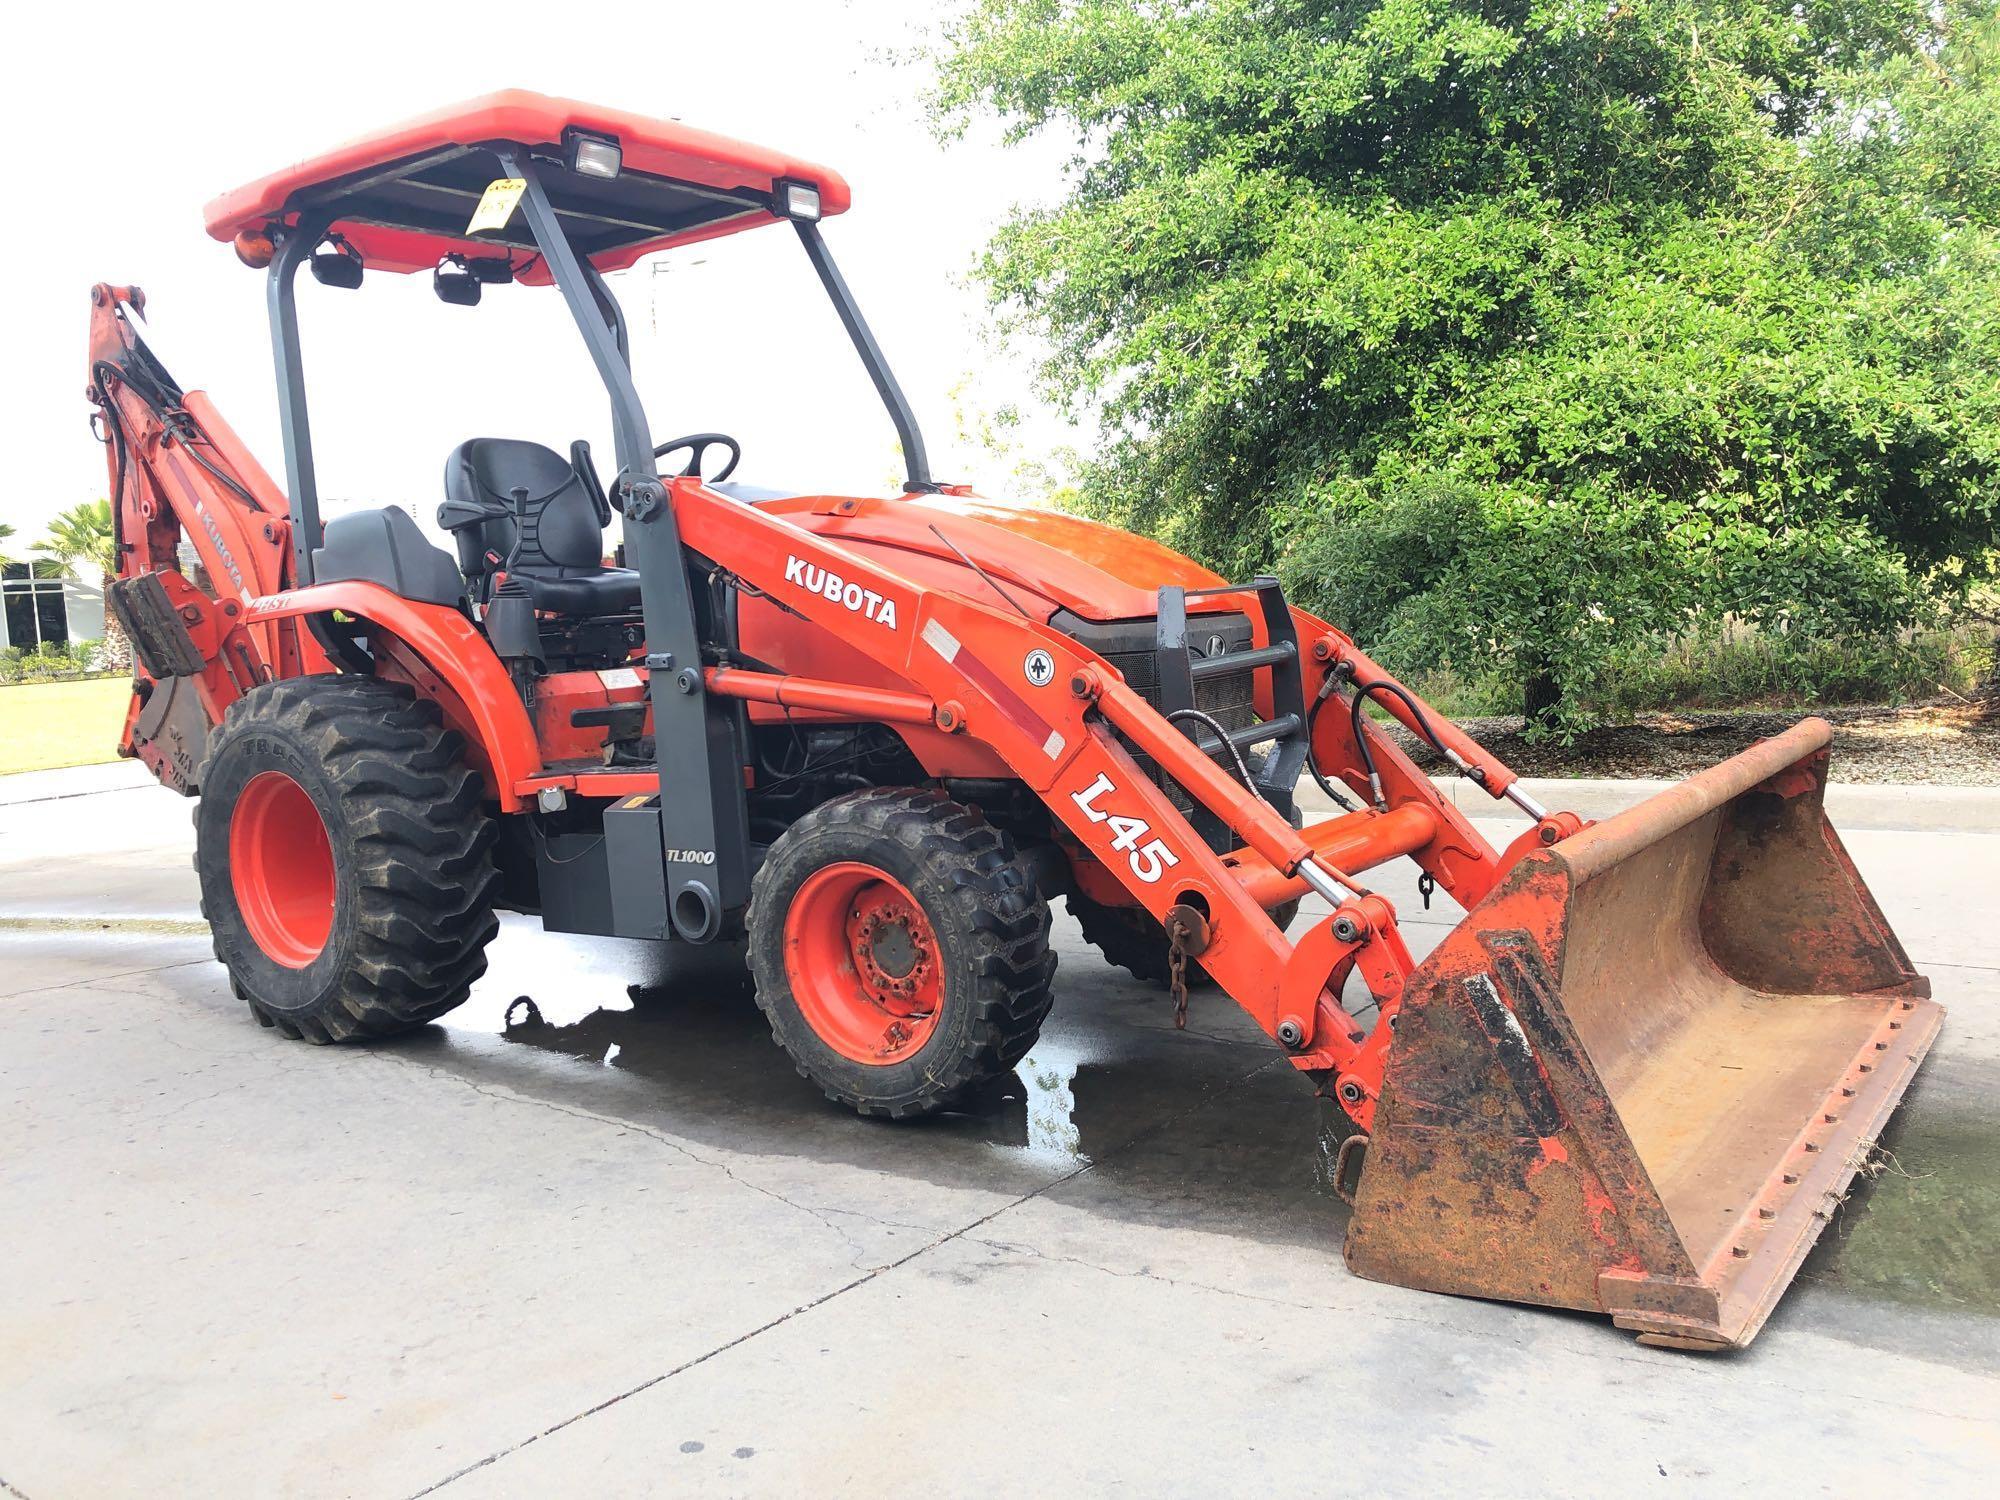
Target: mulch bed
(1949, 742)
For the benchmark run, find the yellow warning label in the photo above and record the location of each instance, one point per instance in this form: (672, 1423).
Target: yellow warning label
(497, 204)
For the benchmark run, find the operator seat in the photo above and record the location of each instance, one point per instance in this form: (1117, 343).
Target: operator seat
(561, 557)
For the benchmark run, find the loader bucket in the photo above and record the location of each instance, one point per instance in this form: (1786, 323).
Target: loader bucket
(1638, 1077)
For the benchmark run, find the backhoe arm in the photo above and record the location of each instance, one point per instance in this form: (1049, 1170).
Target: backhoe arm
(176, 472)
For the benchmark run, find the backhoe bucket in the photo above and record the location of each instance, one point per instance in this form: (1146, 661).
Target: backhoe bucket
(1640, 1075)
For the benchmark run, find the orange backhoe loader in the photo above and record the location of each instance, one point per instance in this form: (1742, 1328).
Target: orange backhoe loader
(871, 736)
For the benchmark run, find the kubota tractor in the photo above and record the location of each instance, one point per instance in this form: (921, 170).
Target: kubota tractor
(872, 736)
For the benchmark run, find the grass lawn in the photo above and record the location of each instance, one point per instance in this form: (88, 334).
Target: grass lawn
(44, 725)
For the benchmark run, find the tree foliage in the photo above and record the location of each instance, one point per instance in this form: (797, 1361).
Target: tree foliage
(1523, 331)
(81, 538)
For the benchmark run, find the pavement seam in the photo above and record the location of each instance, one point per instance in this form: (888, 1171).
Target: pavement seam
(1144, 1273)
(91, 980)
(143, 926)
(964, 1230)
(144, 786)
(744, 1338)
(625, 1127)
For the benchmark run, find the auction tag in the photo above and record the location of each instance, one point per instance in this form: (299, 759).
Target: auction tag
(497, 204)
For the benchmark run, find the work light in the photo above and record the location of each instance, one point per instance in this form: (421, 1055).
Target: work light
(337, 263)
(797, 200)
(456, 282)
(592, 155)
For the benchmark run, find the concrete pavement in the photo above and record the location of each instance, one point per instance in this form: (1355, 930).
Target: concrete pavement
(610, 1243)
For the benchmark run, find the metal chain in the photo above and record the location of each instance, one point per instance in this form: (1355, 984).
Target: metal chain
(1177, 934)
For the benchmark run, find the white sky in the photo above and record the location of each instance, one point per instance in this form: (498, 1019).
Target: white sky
(124, 141)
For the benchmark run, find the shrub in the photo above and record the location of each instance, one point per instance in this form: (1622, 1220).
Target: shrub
(52, 661)
(1527, 337)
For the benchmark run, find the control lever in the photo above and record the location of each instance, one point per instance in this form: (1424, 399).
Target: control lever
(520, 497)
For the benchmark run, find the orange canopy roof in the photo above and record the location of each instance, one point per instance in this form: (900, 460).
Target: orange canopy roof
(403, 196)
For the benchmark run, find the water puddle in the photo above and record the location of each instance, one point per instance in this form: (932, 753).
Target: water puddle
(1921, 1224)
(685, 1023)
(1199, 1119)
(674, 1037)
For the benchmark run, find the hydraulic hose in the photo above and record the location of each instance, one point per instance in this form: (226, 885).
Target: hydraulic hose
(1337, 793)
(174, 421)
(1216, 729)
(1363, 691)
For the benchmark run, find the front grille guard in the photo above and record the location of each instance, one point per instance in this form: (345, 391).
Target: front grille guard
(1181, 674)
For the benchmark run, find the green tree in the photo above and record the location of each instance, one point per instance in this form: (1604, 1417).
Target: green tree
(1522, 332)
(39, 567)
(80, 539)
(83, 544)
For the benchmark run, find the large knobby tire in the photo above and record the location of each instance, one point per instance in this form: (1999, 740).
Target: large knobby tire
(1132, 938)
(345, 858)
(900, 949)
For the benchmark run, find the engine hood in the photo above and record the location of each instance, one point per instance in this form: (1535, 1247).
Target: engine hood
(1045, 560)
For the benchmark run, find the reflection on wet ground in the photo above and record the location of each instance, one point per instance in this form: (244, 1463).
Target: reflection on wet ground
(1208, 1125)
(1919, 1225)
(1206, 1128)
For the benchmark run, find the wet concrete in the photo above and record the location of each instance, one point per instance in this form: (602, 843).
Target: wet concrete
(603, 1238)
(1922, 1225)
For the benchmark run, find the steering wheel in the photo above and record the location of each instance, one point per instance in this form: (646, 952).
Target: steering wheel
(699, 443)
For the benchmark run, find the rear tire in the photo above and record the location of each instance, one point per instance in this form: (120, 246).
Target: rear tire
(345, 858)
(1135, 940)
(900, 950)
(1132, 938)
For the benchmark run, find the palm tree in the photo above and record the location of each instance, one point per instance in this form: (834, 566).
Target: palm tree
(82, 537)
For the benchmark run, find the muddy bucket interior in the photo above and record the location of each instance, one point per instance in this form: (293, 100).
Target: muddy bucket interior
(1640, 1075)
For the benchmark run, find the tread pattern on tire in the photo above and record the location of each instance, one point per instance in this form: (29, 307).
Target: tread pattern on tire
(419, 843)
(1133, 939)
(1128, 936)
(992, 896)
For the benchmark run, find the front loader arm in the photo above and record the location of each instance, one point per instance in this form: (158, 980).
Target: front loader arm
(1047, 707)
(1455, 856)
(1707, 966)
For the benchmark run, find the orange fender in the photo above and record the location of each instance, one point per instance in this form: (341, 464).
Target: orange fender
(464, 677)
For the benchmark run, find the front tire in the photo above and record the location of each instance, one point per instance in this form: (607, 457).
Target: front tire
(900, 949)
(345, 858)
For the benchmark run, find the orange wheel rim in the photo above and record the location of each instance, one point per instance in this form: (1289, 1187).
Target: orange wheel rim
(863, 963)
(281, 869)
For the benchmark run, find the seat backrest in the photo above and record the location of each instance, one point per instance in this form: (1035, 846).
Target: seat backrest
(567, 514)
(385, 546)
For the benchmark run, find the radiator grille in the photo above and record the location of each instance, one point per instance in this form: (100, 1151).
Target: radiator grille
(1227, 697)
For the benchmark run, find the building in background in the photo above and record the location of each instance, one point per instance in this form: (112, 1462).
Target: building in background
(34, 610)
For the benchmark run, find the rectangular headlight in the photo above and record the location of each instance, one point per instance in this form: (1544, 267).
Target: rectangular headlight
(798, 200)
(593, 155)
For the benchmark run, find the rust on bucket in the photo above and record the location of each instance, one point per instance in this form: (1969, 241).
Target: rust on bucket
(1639, 1075)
